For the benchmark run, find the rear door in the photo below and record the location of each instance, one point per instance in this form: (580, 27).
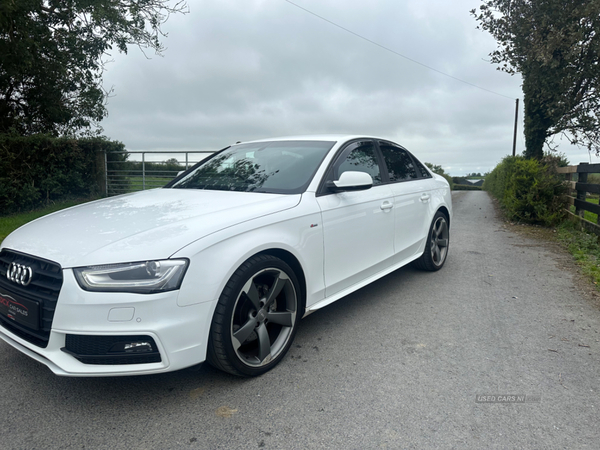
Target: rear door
(411, 188)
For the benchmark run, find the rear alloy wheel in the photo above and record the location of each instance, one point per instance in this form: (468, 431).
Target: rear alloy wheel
(436, 249)
(256, 317)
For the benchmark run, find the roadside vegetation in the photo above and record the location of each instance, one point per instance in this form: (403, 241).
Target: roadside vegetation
(41, 170)
(466, 187)
(530, 191)
(584, 247)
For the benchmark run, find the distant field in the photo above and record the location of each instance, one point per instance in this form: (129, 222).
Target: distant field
(137, 183)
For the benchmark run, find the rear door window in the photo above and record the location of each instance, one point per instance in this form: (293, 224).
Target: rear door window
(400, 165)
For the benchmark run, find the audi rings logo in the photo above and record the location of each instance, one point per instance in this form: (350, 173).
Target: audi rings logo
(19, 274)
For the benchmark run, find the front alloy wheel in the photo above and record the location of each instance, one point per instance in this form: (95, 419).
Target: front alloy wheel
(256, 317)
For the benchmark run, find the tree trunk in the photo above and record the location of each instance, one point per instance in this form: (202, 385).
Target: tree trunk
(535, 137)
(537, 121)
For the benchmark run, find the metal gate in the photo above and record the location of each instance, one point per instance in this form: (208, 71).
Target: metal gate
(139, 170)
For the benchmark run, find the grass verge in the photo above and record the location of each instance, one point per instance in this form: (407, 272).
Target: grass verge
(584, 247)
(10, 223)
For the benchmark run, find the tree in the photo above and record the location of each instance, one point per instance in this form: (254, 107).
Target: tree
(436, 168)
(555, 46)
(52, 53)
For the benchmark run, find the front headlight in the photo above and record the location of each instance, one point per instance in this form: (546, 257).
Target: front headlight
(139, 277)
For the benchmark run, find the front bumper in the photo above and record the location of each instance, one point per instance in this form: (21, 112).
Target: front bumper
(180, 333)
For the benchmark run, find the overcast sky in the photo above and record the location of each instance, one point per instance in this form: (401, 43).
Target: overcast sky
(236, 70)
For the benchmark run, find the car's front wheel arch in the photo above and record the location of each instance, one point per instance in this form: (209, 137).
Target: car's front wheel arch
(293, 262)
(445, 212)
(436, 244)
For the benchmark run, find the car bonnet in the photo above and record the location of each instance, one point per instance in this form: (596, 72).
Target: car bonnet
(140, 226)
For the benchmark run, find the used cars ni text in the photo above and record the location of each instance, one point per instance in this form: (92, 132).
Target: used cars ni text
(222, 263)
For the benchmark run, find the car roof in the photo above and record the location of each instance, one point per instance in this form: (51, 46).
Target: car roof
(316, 137)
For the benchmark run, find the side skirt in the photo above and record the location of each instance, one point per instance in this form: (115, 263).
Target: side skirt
(329, 300)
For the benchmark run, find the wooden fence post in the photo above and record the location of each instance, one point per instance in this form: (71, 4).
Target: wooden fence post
(581, 178)
(568, 179)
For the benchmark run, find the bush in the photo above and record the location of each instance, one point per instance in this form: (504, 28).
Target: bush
(529, 190)
(466, 187)
(40, 169)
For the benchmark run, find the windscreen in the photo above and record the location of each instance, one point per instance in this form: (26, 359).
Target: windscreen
(282, 167)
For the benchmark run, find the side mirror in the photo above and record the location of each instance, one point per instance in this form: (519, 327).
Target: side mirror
(351, 181)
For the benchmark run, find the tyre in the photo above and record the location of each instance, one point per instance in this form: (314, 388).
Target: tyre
(436, 249)
(256, 317)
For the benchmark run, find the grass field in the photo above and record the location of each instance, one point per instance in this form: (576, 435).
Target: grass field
(588, 215)
(136, 183)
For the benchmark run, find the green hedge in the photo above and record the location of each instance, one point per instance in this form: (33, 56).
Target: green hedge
(466, 187)
(40, 169)
(529, 190)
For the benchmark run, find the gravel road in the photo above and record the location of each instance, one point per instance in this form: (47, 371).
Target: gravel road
(500, 349)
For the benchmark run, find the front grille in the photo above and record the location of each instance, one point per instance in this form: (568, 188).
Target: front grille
(105, 350)
(44, 288)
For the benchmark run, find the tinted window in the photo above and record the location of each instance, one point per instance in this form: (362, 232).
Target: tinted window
(399, 163)
(284, 167)
(361, 159)
(421, 167)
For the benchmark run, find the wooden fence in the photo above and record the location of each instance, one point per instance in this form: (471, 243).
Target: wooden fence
(581, 188)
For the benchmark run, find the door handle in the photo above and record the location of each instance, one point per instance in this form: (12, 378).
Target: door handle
(386, 206)
(425, 198)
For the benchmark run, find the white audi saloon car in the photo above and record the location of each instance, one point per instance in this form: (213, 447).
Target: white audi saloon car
(222, 263)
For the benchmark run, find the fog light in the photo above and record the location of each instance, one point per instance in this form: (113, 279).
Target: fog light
(112, 350)
(131, 347)
(138, 347)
